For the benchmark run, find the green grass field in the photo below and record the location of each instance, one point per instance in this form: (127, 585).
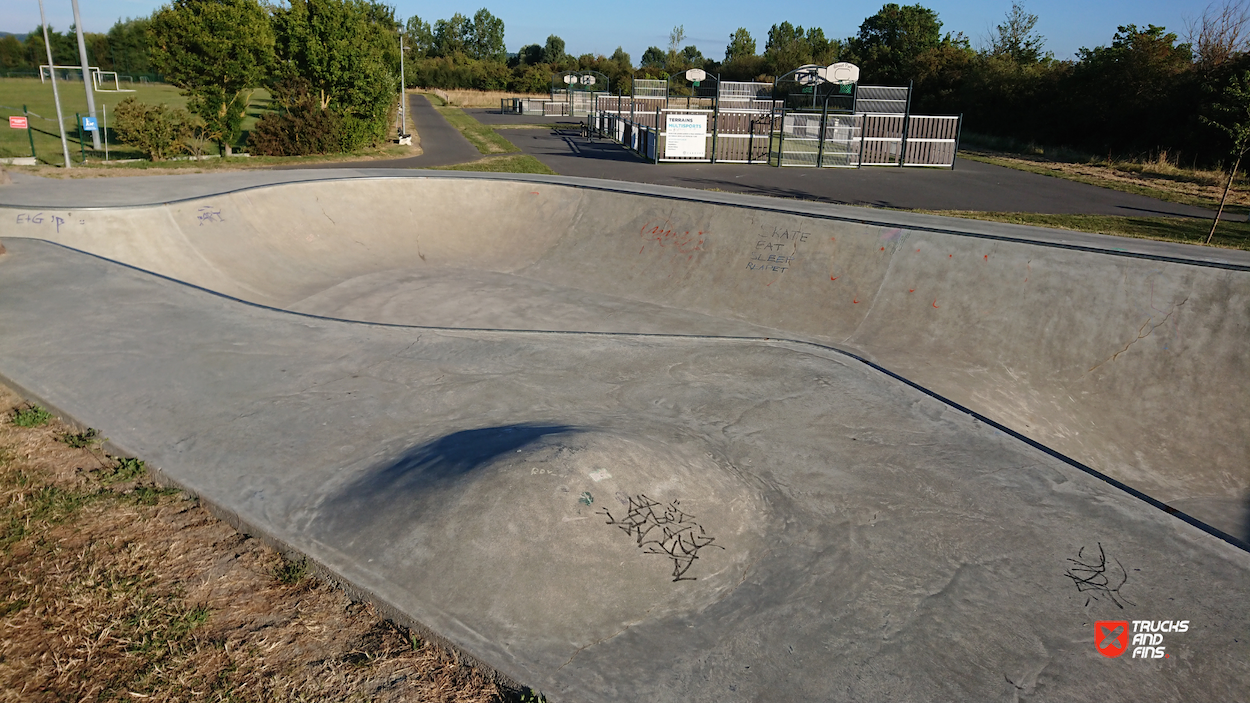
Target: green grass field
(37, 97)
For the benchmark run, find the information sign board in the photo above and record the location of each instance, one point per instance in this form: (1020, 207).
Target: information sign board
(685, 136)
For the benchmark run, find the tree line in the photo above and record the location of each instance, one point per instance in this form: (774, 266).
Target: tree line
(1147, 90)
(332, 67)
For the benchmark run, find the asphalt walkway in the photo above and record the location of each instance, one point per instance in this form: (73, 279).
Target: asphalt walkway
(971, 185)
(441, 144)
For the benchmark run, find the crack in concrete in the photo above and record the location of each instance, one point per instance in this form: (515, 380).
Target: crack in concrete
(1140, 336)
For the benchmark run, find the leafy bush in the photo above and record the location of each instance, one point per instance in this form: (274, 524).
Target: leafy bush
(299, 127)
(157, 130)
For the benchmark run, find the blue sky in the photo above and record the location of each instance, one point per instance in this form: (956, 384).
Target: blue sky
(587, 27)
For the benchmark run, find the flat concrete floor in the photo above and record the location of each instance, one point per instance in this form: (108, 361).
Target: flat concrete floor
(690, 510)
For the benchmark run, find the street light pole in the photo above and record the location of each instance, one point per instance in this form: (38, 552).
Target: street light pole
(86, 78)
(56, 94)
(403, 88)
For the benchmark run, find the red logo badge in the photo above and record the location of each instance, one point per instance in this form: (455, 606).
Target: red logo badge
(1111, 637)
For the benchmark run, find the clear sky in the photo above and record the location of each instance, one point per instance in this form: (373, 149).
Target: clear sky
(589, 27)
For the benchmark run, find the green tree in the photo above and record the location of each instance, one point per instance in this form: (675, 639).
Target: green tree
(419, 38)
(741, 45)
(451, 36)
(12, 54)
(676, 37)
(486, 37)
(553, 52)
(1132, 85)
(128, 46)
(692, 57)
(1233, 119)
(1016, 40)
(653, 57)
(622, 59)
(217, 52)
(348, 51)
(530, 55)
(786, 49)
(890, 43)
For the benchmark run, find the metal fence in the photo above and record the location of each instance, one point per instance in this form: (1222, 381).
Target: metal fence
(882, 99)
(816, 140)
(743, 124)
(638, 138)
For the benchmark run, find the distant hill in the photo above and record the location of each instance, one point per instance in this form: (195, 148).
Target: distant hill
(20, 37)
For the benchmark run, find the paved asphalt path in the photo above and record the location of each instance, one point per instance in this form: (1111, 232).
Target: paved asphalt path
(970, 186)
(441, 144)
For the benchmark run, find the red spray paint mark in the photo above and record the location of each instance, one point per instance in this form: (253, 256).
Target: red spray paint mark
(854, 300)
(917, 251)
(834, 278)
(949, 256)
(913, 290)
(882, 248)
(533, 192)
(935, 303)
(987, 258)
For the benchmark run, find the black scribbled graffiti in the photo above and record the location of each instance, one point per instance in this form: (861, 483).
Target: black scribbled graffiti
(665, 530)
(1095, 578)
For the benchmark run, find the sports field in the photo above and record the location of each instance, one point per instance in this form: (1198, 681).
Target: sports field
(38, 100)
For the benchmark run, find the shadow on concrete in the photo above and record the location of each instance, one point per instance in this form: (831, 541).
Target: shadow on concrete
(444, 461)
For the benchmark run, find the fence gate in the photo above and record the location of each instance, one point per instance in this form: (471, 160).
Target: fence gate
(841, 144)
(883, 139)
(742, 136)
(931, 141)
(799, 144)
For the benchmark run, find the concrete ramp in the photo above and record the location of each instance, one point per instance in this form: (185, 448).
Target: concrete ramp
(626, 442)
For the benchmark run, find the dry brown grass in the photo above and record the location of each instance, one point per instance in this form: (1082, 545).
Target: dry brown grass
(476, 98)
(112, 588)
(1158, 177)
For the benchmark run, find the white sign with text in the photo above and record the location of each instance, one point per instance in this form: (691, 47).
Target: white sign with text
(686, 136)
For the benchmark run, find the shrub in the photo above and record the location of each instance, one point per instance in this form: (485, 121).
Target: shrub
(157, 130)
(299, 127)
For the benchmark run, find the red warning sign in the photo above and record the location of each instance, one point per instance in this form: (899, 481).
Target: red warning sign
(17, 121)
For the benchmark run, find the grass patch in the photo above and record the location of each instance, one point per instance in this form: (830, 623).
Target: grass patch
(516, 163)
(113, 589)
(1196, 191)
(121, 469)
(81, 440)
(31, 416)
(1184, 230)
(479, 135)
(38, 98)
(291, 571)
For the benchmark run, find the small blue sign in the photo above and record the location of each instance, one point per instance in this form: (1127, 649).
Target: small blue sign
(89, 124)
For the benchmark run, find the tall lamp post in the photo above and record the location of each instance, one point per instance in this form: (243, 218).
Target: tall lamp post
(86, 78)
(56, 94)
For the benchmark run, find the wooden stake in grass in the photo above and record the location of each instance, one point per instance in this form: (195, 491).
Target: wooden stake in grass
(1234, 105)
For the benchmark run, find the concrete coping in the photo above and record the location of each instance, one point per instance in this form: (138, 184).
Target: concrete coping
(156, 191)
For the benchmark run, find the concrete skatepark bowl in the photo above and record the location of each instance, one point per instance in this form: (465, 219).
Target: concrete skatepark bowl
(623, 442)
